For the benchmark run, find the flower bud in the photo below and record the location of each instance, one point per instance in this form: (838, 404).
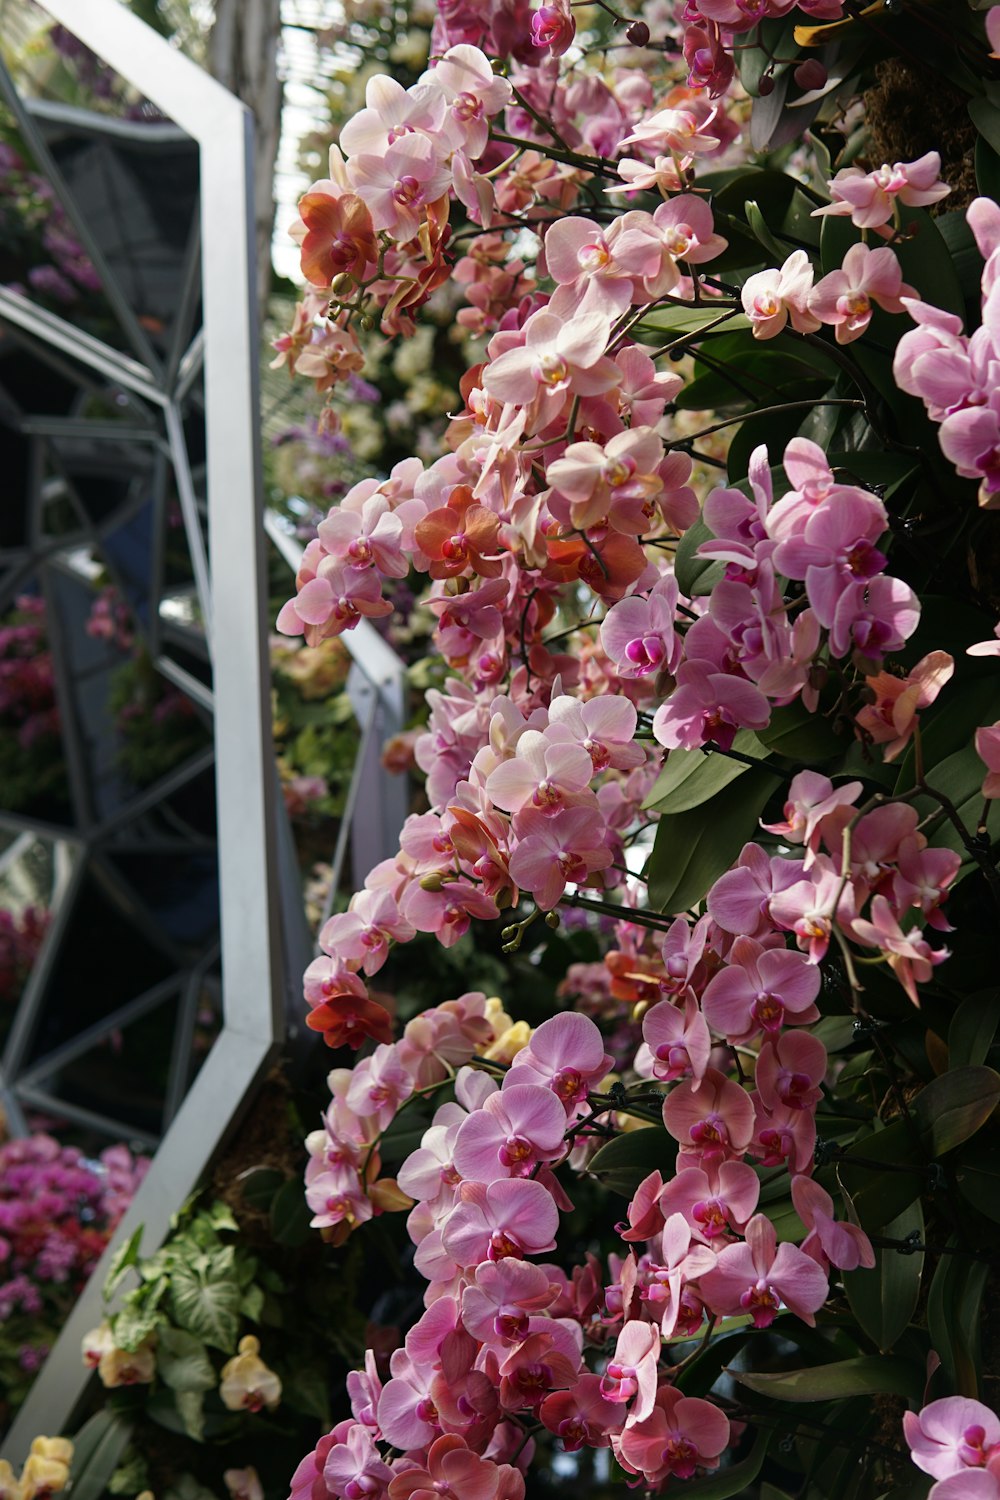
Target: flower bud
(766, 85)
(810, 74)
(638, 34)
(433, 882)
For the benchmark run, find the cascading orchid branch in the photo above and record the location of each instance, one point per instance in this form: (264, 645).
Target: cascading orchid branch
(593, 613)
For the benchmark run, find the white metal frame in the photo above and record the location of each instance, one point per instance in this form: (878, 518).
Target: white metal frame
(252, 972)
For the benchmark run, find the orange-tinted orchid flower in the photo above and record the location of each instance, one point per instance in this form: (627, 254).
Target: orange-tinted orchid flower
(347, 1020)
(459, 536)
(340, 237)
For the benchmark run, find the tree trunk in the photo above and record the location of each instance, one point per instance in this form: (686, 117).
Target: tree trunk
(243, 54)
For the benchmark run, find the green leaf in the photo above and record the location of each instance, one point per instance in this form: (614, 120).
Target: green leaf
(290, 1216)
(123, 1259)
(622, 1163)
(799, 734)
(97, 1452)
(977, 1176)
(252, 1304)
(182, 1361)
(191, 1409)
(134, 1322)
(954, 1315)
(867, 1375)
(987, 169)
(259, 1185)
(690, 777)
(883, 1299)
(220, 1216)
(882, 1193)
(953, 1107)
(206, 1305)
(692, 849)
(986, 117)
(696, 575)
(972, 1029)
(689, 320)
(732, 1481)
(402, 1137)
(308, 1391)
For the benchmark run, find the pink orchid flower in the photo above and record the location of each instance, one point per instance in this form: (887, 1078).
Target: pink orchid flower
(828, 1242)
(391, 113)
(514, 1216)
(599, 268)
(603, 726)
(407, 1413)
(474, 94)
(553, 26)
(760, 989)
(545, 773)
(739, 901)
(844, 298)
(638, 634)
(400, 184)
(836, 546)
(618, 480)
(668, 1294)
(360, 936)
(712, 1120)
(951, 1436)
(447, 912)
(452, 1473)
(354, 1468)
(677, 1041)
(874, 617)
(970, 1484)
(869, 198)
(371, 538)
(497, 1309)
(783, 1136)
(810, 798)
(582, 1417)
(686, 228)
(892, 718)
(910, 956)
(566, 1054)
(810, 907)
(553, 851)
(715, 1200)
(760, 1276)
(330, 599)
(790, 1069)
(380, 1084)
(681, 1435)
(557, 356)
(708, 706)
(630, 1376)
(988, 750)
(644, 1216)
(773, 298)
(510, 1133)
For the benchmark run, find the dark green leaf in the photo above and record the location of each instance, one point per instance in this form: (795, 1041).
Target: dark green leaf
(797, 733)
(864, 1376)
(690, 777)
(259, 1185)
(882, 1193)
(954, 1313)
(124, 1257)
(98, 1450)
(972, 1029)
(977, 1174)
(987, 169)
(677, 320)
(182, 1361)
(290, 1216)
(622, 1163)
(191, 1410)
(252, 1304)
(692, 849)
(986, 117)
(402, 1137)
(883, 1299)
(696, 575)
(308, 1390)
(953, 1107)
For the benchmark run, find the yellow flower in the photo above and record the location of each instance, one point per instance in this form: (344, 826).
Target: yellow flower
(247, 1384)
(43, 1476)
(128, 1367)
(59, 1448)
(10, 1484)
(508, 1045)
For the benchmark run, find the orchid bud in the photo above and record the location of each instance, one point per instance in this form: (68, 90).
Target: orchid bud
(810, 74)
(766, 85)
(638, 34)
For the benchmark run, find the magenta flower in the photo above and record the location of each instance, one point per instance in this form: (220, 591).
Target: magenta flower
(379, 1085)
(510, 1134)
(714, 1200)
(630, 1376)
(369, 538)
(582, 1417)
(869, 198)
(566, 1054)
(844, 298)
(761, 1276)
(712, 1120)
(604, 726)
(810, 798)
(547, 1360)
(514, 1216)
(360, 936)
(783, 1136)
(331, 600)
(498, 1308)
(354, 1469)
(970, 1484)
(544, 773)
(828, 1243)
(555, 851)
(988, 750)
(761, 989)
(708, 706)
(874, 617)
(447, 912)
(809, 907)
(677, 1041)
(638, 634)
(682, 1260)
(399, 184)
(406, 1413)
(680, 1435)
(952, 1435)
(553, 26)
(739, 901)
(790, 1069)
(835, 547)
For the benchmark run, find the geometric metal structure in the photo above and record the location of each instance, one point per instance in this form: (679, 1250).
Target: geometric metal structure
(168, 399)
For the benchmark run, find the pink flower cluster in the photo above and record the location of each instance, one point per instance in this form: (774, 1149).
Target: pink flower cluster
(844, 300)
(955, 375)
(504, 1338)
